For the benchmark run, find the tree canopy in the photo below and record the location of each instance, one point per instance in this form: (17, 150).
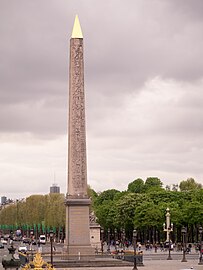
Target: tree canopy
(143, 205)
(189, 184)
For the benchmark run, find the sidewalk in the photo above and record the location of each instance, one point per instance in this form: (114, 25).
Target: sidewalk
(152, 265)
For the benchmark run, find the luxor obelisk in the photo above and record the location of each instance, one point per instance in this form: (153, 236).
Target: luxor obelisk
(77, 201)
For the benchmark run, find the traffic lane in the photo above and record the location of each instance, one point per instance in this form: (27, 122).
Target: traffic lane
(43, 248)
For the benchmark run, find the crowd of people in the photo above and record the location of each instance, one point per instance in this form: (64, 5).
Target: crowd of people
(156, 247)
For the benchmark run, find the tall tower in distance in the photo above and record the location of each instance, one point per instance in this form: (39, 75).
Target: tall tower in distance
(54, 188)
(77, 202)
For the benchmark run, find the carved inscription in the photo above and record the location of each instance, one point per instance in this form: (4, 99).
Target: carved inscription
(77, 167)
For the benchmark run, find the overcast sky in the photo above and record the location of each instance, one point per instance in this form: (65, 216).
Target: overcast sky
(143, 83)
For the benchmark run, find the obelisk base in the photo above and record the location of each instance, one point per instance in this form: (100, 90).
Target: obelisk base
(79, 252)
(77, 243)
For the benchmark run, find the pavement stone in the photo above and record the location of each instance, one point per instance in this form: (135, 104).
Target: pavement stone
(152, 265)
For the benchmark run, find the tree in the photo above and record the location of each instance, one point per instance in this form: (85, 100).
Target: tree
(175, 187)
(189, 184)
(137, 186)
(34, 214)
(148, 214)
(54, 215)
(91, 193)
(107, 195)
(102, 213)
(153, 183)
(124, 209)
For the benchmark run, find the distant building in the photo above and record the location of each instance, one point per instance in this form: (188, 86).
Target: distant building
(3, 199)
(54, 189)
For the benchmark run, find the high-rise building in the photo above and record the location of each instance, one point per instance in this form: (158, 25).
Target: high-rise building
(54, 189)
(3, 199)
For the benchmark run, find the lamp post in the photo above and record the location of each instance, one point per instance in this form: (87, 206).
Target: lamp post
(102, 240)
(123, 238)
(108, 249)
(183, 231)
(51, 234)
(200, 247)
(11, 237)
(17, 212)
(168, 228)
(31, 240)
(134, 245)
(115, 237)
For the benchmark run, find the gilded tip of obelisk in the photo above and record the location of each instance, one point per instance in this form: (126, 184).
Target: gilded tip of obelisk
(77, 32)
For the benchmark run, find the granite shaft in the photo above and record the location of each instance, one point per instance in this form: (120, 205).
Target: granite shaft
(77, 165)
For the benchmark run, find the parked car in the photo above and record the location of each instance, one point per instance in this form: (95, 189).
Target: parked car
(6, 236)
(1, 245)
(4, 241)
(22, 249)
(26, 240)
(42, 239)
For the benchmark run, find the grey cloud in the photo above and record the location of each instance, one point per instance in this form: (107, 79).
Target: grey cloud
(127, 44)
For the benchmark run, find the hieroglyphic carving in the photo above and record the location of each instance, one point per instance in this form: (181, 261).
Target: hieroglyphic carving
(77, 167)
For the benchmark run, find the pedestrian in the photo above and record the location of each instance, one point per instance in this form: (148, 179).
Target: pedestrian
(155, 248)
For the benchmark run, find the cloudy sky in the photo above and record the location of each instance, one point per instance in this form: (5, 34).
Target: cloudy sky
(143, 83)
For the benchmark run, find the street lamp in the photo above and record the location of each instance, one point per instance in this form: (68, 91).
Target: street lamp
(115, 235)
(17, 212)
(51, 234)
(200, 257)
(108, 249)
(11, 237)
(183, 231)
(123, 238)
(102, 240)
(168, 228)
(134, 245)
(31, 240)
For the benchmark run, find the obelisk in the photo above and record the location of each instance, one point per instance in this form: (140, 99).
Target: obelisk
(77, 202)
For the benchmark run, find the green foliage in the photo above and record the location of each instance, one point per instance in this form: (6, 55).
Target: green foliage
(55, 210)
(143, 206)
(146, 211)
(189, 184)
(137, 186)
(37, 209)
(107, 195)
(192, 213)
(34, 214)
(103, 207)
(148, 214)
(124, 211)
(102, 212)
(92, 195)
(153, 183)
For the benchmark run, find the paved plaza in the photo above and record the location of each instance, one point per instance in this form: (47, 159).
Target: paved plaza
(153, 265)
(148, 265)
(151, 260)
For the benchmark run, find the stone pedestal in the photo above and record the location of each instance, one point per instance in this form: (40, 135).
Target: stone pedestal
(77, 227)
